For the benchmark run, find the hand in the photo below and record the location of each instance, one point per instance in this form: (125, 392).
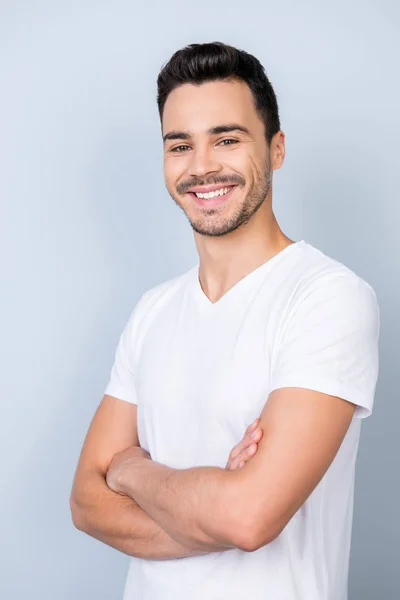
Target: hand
(246, 448)
(120, 464)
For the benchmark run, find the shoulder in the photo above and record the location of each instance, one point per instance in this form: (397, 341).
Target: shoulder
(157, 297)
(162, 292)
(321, 275)
(328, 291)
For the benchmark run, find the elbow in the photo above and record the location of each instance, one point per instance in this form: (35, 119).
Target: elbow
(248, 540)
(254, 540)
(250, 524)
(243, 534)
(77, 514)
(254, 533)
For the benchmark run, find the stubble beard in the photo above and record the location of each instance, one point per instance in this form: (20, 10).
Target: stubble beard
(209, 226)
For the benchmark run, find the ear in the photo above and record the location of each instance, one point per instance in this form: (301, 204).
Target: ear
(277, 150)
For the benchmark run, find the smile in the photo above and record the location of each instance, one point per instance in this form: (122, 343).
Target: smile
(214, 194)
(213, 198)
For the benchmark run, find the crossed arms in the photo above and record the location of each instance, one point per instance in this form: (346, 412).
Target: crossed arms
(157, 512)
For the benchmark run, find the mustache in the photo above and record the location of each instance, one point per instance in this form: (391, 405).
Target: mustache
(197, 182)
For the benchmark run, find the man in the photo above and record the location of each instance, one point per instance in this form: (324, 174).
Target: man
(263, 327)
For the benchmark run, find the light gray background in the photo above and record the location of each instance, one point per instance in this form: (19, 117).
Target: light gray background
(87, 226)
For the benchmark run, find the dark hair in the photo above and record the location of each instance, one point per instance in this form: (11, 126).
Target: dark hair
(199, 63)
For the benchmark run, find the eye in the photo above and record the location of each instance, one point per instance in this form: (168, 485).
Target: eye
(230, 140)
(178, 148)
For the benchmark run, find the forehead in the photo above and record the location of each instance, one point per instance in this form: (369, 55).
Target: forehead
(199, 107)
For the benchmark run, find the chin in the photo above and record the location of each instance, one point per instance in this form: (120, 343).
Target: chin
(215, 229)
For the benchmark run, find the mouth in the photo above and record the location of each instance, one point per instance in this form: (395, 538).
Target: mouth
(213, 198)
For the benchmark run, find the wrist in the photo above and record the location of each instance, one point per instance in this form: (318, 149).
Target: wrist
(128, 475)
(138, 476)
(148, 479)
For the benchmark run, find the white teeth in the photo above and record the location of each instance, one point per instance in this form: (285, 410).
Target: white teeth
(215, 194)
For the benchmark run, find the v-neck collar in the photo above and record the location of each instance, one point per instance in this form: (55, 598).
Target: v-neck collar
(203, 300)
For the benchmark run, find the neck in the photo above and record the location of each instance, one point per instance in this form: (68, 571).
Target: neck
(226, 259)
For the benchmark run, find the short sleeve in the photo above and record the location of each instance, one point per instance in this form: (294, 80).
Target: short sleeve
(330, 343)
(121, 383)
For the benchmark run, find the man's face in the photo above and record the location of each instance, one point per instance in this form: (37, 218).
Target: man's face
(200, 156)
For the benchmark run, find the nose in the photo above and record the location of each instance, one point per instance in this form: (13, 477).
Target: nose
(203, 162)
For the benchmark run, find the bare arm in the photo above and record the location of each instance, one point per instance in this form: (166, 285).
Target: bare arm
(112, 518)
(194, 505)
(331, 342)
(247, 508)
(119, 522)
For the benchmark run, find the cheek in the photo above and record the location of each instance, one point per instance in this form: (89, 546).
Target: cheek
(256, 169)
(173, 172)
(242, 162)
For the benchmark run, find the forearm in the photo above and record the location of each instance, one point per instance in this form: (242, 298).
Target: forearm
(195, 506)
(119, 522)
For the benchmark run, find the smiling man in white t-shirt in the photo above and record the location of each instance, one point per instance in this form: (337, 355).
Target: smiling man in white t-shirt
(261, 327)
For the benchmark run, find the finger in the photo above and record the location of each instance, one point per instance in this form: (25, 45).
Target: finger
(243, 457)
(245, 443)
(254, 436)
(252, 426)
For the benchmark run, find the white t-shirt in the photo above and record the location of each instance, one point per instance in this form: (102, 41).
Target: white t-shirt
(201, 372)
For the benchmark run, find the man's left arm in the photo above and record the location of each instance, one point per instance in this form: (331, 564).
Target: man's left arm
(249, 507)
(326, 368)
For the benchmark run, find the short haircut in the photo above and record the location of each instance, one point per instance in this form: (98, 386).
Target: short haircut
(200, 63)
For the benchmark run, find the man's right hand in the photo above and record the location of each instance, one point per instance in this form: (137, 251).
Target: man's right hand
(246, 448)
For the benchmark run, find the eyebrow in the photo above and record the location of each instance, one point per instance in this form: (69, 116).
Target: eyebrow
(186, 135)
